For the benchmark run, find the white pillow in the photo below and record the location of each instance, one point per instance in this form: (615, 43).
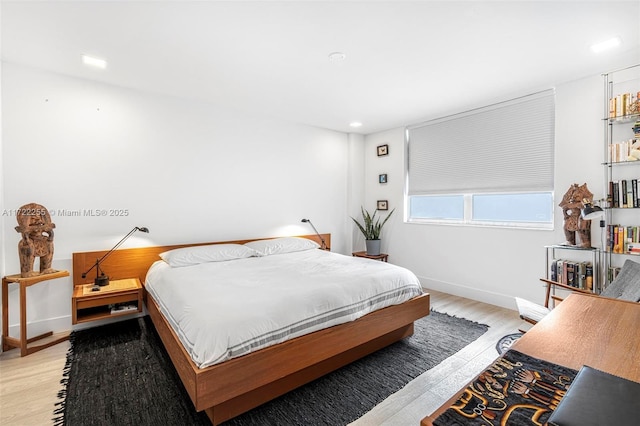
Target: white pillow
(187, 256)
(281, 245)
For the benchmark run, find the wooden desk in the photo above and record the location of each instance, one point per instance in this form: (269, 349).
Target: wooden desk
(9, 342)
(583, 329)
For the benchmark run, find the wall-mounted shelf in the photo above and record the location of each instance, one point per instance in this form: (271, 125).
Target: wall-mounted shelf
(621, 103)
(107, 302)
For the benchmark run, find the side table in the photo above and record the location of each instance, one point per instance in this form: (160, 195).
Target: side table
(382, 256)
(9, 342)
(88, 305)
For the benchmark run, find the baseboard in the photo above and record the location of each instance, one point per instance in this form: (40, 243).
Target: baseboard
(492, 298)
(34, 328)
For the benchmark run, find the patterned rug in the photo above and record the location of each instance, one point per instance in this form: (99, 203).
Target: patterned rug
(516, 390)
(505, 342)
(120, 374)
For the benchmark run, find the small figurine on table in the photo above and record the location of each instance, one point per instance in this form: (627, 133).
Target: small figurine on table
(572, 202)
(34, 223)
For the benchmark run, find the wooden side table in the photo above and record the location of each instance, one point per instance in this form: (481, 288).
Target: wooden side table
(382, 256)
(87, 305)
(9, 342)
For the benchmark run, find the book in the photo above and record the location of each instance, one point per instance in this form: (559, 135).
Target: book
(616, 194)
(610, 195)
(621, 239)
(612, 108)
(571, 274)
(581, 275)
(589, 277)
(119, 308)
(598, 398)
(561, 272)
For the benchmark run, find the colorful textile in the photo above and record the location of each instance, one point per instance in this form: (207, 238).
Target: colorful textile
(515, 390)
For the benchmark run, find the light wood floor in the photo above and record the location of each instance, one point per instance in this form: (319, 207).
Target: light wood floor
(29, 385)
(427, 392)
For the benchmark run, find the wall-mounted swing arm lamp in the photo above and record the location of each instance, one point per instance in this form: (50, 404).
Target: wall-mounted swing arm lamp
(323, 246)
(102, 279)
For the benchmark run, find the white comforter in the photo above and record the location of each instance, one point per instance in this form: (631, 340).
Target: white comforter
(221, 310)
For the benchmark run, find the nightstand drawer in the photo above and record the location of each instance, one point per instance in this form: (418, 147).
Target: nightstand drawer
(107, 299)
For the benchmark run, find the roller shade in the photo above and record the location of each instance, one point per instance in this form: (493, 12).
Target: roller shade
(505, 147)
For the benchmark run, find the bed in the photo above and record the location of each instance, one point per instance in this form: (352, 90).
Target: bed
(231, 382)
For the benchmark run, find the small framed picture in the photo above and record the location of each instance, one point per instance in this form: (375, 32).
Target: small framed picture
(382, 178)
(383, 150)
(383, 205)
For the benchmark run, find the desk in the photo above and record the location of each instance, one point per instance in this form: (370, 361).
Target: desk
(583, 329)
(9, 342)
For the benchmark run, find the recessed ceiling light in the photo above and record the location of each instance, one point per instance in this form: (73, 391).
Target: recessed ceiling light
(337, 56)
(94, 62)
(606, 45)
(355, 124)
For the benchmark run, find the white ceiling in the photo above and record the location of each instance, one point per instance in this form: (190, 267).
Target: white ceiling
(406, 61)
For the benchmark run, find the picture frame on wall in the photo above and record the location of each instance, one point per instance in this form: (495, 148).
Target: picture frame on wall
(382, 178)
(383, 150)
(383, 205)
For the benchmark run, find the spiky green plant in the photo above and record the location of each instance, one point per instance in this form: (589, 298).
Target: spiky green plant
(372, 225)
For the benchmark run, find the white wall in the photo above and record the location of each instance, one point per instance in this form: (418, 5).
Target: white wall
(188, 171)
(492, 264)
(2, 236)
(197, 172)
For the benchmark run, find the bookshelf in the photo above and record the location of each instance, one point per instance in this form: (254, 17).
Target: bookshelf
(621, 168)
(574, 266)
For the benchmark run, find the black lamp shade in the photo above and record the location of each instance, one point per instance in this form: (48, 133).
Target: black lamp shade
(590, 212)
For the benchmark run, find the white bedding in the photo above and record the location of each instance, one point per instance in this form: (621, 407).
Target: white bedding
(221, 310)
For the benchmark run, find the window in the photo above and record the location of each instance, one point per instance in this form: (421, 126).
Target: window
(489, 166)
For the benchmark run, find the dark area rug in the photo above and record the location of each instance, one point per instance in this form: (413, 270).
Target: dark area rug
(120, 374)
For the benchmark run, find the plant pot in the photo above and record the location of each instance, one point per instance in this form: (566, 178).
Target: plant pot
(373, 247)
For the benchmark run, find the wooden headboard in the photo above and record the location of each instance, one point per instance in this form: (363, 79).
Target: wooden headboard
(135, 262)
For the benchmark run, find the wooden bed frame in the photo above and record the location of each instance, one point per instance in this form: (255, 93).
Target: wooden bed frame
(235, 386)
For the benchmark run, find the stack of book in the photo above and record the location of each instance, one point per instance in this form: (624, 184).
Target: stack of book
(623, 239)
(572, 273)
(624, 151)
(624, 193)
(624, 104)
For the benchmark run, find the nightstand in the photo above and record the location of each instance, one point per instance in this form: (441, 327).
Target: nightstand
(9, 342)
(382, 256)
(88, 305)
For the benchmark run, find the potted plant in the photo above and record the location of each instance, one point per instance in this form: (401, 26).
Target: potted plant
(371, 230)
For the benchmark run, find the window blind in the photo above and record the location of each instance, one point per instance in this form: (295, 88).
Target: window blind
(505, 147)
